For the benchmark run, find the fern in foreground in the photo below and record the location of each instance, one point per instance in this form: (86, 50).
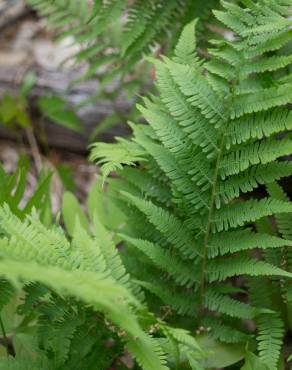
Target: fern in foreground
(218, 130)
(79, 301)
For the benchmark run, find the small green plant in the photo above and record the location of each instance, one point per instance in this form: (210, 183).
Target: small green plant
(14, 110)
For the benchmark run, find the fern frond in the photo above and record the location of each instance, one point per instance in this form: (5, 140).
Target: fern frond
(235, 241)
(112, 157)
(185, 50)
(24, 241)
(180, 302)
(265, 99)
(267, 64)
(223, 332)
(197, 91)
(258, 126)
(218, 130)
(219, 302)
(169, 225)
(194, 124)
(184, 185)
(110, 254)
(252, 178)
(283, 220)
(265, 151)
(218, 270)
(270, 338)
(61, 336)
(238, 214)
(183, 274)
(151, 187)
(88, 251)
(84, 285)
(140, 25)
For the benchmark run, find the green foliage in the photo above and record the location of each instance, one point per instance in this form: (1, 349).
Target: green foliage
(218, 130)
(55, 108)
(14, 187)
(253, 362)
(135, 28)
(177, 261)
(125, 153)
(13, 111)
(78, 287)
(72, 213)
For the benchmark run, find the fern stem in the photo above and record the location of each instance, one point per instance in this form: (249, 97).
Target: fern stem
(212, 201)
(5, 339)
(208, 226)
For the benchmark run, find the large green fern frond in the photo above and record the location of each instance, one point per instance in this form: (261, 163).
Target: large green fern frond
(218, 130)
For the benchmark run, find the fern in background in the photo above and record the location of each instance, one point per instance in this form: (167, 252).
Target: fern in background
(142, 25)
(113, 37)
(15, 192)
(218, 130)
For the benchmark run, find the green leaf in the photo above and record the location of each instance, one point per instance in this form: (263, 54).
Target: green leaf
(66, 176)
(13, 111)
(57, 110)
(28, 83)
(41, 193)
(72, 213)
(252, 362)
(101, 203)
(7, 109)
(220, 355)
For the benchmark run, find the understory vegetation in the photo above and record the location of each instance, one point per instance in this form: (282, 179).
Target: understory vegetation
(181, 255)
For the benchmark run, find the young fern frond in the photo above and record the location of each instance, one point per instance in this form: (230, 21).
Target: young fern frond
(218, 129)
(126, 153)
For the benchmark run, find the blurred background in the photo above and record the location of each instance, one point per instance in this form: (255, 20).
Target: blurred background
(48, 111)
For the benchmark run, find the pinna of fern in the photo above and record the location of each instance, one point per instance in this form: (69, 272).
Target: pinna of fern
(218, 129)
